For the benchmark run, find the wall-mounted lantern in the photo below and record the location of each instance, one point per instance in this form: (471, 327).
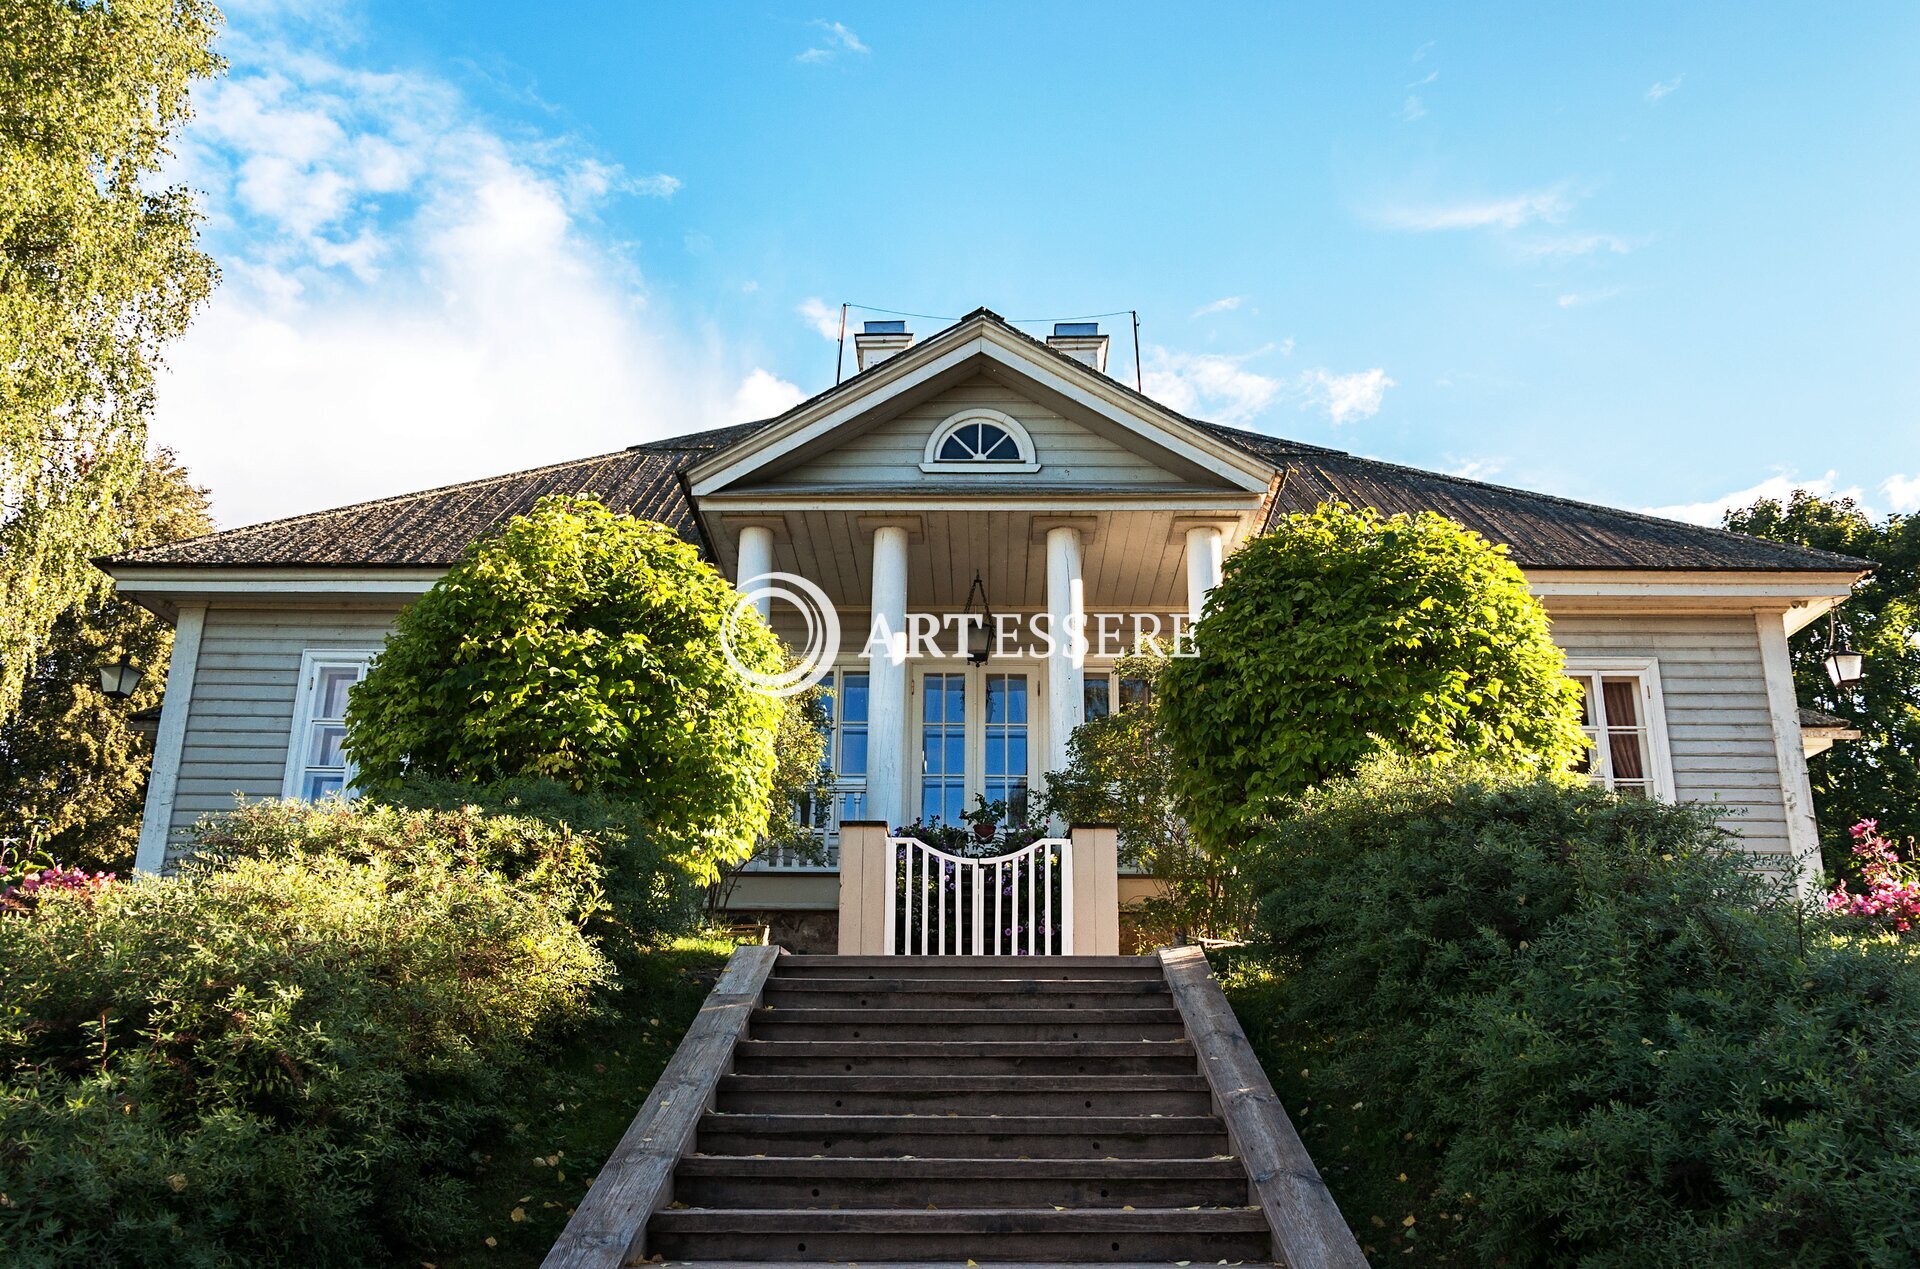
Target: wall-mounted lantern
(119, 680)
(1844, 665)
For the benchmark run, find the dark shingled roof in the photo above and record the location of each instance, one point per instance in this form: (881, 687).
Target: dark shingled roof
(1540, 530)
(432, 528)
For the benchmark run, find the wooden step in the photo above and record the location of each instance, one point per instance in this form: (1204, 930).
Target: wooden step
(965, 1095)
(730, 1181)
(964, 1136)
(976, 1057)
(937, 993)
(992, 987)
(952, 1025)
(1031, 968)
(1076, 1235)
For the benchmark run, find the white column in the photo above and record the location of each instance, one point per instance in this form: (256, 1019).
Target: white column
(1066, 662)
(887, 682)
(163, 780)
(756, 560)
(1203, 566)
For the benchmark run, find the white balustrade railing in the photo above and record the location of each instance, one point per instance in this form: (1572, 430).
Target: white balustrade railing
(1018, 904)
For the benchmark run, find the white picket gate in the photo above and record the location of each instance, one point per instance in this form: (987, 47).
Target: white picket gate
(1019, 904)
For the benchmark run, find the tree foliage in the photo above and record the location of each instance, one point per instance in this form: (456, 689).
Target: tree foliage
(1120, 771)
(98, 270)
(1878, 776)
(73, 772)
(1343, 633)
(583, 646)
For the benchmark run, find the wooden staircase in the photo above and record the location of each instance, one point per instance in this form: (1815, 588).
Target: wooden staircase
(952, 1109)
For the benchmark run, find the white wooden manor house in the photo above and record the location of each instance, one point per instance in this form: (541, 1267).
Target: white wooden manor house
(983, 452)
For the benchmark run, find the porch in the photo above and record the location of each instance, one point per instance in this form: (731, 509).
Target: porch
(970, 643)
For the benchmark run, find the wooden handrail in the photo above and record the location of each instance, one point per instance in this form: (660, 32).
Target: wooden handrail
(1308, 1230)
(609, 1228)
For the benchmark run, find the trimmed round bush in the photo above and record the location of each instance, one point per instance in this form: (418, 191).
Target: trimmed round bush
(1343, 634)
(584, 647)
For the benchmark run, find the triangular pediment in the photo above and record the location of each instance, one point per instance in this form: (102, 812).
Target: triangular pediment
(1080, 428)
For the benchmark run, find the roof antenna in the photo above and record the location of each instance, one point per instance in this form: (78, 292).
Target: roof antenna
(840, 357)
(1139, 384)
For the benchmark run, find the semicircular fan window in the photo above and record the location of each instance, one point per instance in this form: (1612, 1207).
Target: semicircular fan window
(980, 443)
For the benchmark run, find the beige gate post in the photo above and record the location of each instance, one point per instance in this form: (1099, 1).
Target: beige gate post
(864, 868)
(1096, 890)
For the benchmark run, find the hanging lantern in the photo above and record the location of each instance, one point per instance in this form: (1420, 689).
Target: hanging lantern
(1844, 665)
(119, 680)
(979, 624)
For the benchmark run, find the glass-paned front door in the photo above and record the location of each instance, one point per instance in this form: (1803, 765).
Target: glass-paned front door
(976, 741)
(943, 747)
(1005, 768)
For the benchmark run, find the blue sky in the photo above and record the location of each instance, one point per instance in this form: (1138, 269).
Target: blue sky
(1650, 256)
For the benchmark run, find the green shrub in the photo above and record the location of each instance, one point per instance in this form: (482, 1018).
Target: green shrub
(646, 897)
(585, 647)
(1588, 1032)
(1343, 634)
(283, 1058)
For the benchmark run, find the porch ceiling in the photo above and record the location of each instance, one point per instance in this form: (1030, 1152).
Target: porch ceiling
(1133, 559)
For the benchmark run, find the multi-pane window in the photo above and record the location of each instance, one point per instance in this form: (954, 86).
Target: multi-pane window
(849, 754)
(1102, 689)
(943, 747)
(1006, 734)
(980, 443)
(1620, 714)
(317, 763)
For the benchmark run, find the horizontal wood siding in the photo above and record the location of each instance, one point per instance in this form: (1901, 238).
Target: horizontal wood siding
(1716, 698)
(244, 689)
(891, 453)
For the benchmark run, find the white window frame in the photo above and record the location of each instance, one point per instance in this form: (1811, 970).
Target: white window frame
(1035, 669)
(306, 698)
(1027, 462)
(1652, 702)
(1109, 671)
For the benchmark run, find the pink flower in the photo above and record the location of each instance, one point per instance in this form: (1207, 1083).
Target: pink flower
(1892, 895)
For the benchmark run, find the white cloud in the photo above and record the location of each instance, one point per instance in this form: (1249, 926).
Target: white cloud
(1209, 385)
(1779, 487)
(1903, 493)
(1347, 397)
(1568, 246)
(1661, 89)
(1579, 299)
(837, 39)
(1425, 79)
(410, 297)
(820, 316)
(763, 394)
(1225, 304)
(1510, 212)
(1422, 51)
(1475, 468)
(1219, 387)
(1413, 109)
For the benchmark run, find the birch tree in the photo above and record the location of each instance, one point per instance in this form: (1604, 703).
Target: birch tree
(99, 269)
